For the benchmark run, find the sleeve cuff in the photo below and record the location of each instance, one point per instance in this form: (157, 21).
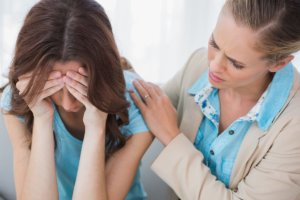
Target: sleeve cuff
(172, 154)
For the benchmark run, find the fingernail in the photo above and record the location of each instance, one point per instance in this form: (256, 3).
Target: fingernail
(137, 81)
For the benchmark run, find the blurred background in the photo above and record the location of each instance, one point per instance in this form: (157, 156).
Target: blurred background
(157, 36)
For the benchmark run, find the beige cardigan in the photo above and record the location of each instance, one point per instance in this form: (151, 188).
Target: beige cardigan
(267, 166)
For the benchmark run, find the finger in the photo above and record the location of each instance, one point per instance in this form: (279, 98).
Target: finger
(53, 82)
(24, 80)
(141, 90)
(157, 89)
(149, 88)
(50, 91)
(81, 98)
(138, 102)
(83, 71)
(21, 85)
(54, 75)
(25, 76)
(75, 85)
(78, 77)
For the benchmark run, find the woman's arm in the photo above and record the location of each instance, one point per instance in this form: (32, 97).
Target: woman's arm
(90, 181)
(40, 179)
(121, 168)
(34, 169)
(20, 140)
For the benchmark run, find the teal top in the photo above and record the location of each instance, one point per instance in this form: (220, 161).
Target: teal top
(68, 148)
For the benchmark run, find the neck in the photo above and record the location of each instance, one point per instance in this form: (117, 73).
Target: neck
(73, 121)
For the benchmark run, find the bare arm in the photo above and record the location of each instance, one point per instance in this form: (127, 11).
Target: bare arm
(90, 181)
(122, 166)
(97, 180)
(34, 169)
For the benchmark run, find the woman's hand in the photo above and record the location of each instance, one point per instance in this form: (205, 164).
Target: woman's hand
(157, 110)
(77, 85)
(41, 106)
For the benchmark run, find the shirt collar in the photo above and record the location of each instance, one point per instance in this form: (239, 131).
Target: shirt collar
(277, 94)
(199, 84)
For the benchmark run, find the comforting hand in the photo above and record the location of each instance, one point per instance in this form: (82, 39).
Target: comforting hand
(77, 85)
(41, 106)
(157, 110)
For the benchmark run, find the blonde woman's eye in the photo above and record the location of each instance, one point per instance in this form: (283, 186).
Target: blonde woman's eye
(237, 66)
(213, 44)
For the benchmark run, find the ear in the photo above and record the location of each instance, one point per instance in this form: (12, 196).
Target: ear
(280, 64)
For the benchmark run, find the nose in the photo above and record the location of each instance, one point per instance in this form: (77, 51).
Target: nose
(67, 99)
(217, 63)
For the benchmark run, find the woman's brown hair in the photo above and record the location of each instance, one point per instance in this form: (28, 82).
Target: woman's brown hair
(277, 23)
(71, 30)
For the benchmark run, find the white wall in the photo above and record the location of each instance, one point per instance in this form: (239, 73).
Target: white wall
(157, 36)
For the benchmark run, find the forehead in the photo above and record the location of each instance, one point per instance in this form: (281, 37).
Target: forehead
(236, 40)
(63, 67)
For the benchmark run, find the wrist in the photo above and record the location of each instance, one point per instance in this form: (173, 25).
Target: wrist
(43, 116)
(94, 131)
(94, 138)
(45, 119)
(169, 137)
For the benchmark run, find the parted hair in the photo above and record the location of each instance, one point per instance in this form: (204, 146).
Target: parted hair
(277, 23)
(71, 30)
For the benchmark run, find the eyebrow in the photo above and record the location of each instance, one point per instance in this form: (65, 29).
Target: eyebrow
(229, 58)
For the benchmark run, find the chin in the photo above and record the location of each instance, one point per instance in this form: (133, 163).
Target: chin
(215, 85)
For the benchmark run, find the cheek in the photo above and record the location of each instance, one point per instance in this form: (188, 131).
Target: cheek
(210, 53)
(244, 77)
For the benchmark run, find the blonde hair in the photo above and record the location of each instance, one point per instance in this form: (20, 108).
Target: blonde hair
(277, 23)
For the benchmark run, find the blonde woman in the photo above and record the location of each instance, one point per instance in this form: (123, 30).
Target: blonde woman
(236, 134)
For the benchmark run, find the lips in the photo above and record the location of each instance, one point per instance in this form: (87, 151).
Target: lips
(214, 77)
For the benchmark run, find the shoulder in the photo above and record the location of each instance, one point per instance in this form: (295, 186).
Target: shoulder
(129, 77)
(287, 123)
(292, 108)
(5, 102)
(136, 123)
(196, 65)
